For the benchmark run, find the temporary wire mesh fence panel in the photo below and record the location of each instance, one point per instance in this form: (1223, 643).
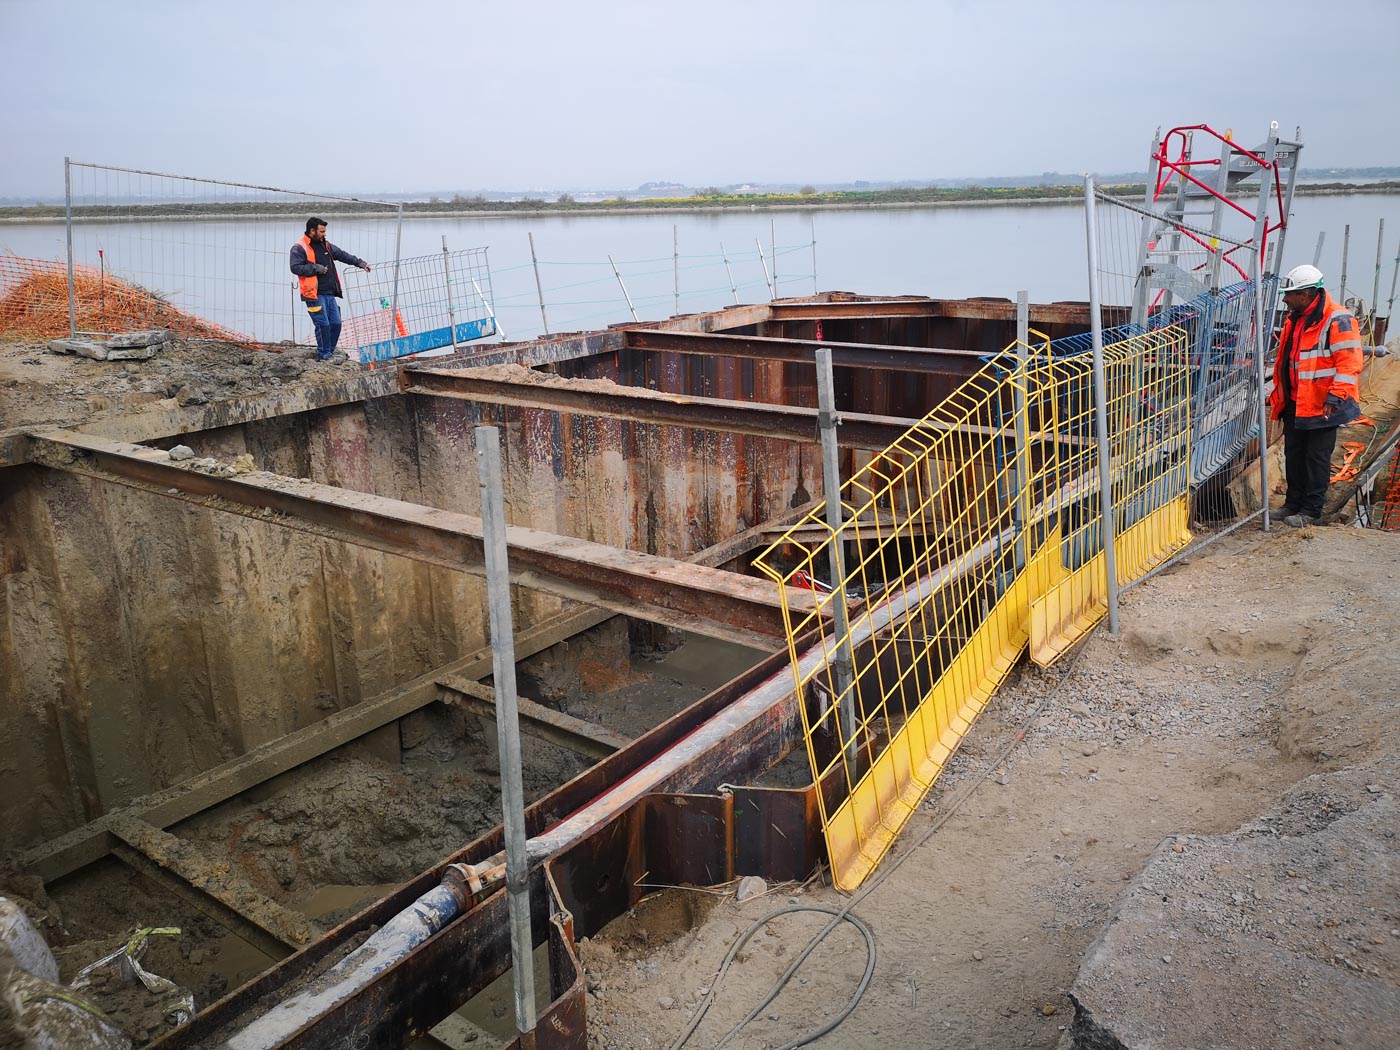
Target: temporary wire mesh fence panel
(950, 538)
(1219, 322)
(212, 250)
(1148, 409)
(422, 303)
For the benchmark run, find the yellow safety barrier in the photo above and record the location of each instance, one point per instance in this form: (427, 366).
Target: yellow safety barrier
(974, 534)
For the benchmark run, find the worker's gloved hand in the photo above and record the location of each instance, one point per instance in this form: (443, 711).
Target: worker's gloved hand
(322, 269)
(1331, 405)
(365, 267)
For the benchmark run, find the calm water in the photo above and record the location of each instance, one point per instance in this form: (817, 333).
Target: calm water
(235, 272)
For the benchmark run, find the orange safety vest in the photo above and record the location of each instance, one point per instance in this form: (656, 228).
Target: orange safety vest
(1323, 358)
(310, 287)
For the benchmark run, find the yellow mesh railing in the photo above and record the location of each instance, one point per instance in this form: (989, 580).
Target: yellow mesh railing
(976, 532)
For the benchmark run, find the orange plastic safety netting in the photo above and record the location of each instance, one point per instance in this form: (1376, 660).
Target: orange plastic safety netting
(34, 303)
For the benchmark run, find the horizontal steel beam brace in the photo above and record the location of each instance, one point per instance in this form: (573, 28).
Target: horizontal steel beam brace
(585, 738)
(637, 404)
(965, 309)
(801, 351)
(212, 888)
(673, 593)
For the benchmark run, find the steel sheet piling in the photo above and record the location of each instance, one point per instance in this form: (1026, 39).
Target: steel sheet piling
(493, 521)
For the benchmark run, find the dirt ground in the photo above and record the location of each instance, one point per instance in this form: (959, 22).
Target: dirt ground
(1259, 662)
(38, 386)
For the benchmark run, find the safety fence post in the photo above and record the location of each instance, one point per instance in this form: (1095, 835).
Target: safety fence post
(493, 526)
(68, 223)
(539, 288)
(1346, 250)
(1376, 285)
(630, 307)
(394, 296)
(447, 283)
(1101, 409)
(733, 289)
(676, 267)
(772, 293)
(1020, 476)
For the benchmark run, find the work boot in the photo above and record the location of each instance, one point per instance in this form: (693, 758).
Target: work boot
(1300, 520)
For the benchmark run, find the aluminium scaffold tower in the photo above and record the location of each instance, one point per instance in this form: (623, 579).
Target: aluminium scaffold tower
(1197, 178)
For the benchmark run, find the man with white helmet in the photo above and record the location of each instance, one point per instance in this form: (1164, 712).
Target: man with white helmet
(1315, 389)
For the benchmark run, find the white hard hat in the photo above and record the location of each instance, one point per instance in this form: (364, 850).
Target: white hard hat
(1301, 277)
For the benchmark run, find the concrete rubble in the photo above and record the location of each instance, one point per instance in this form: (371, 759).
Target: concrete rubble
(1282, 934)
(128, 346)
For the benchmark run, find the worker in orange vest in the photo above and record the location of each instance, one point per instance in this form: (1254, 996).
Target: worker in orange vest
(313, 261)
(1315, 389)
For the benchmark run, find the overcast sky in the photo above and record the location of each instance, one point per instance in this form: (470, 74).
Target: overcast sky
(401, 96)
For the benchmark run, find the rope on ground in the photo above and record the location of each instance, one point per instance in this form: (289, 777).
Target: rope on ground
(844, 914)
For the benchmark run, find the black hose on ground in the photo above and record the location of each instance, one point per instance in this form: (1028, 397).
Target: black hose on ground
(816, 1033)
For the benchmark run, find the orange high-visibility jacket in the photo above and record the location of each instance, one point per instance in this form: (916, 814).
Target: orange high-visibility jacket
(309, 286)
(1321, 351)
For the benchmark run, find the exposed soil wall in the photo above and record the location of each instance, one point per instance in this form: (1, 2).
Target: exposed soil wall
(144, 639)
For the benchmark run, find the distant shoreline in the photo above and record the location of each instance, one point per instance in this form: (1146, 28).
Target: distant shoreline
(923, 199)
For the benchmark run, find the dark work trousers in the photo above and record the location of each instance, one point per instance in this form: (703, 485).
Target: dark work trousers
(1307, 462)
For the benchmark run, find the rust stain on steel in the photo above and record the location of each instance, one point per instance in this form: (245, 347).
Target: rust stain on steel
(857, 430)
(897, 358)
(676, 593)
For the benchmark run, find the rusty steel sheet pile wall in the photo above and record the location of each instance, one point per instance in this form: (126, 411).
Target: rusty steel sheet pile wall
(974, 535)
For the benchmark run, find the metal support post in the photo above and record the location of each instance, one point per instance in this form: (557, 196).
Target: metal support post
(1020, 476)
(1141, 286)
(762, 262)
(1346, 249)
(1395, 272)
(489, 312)
(539, 288)
(630, 307)
(394, 297)
(831, 490)
(773, 251)
(1376, 285)
(733, 289)
(1317, 252)
(1101, 409)
(1260, 345)
(493, 527)
(812, 223)
(68, 223)
(447, 283)
(676, 267)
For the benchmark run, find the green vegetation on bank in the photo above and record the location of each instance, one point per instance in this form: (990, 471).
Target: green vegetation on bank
(704, 199)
